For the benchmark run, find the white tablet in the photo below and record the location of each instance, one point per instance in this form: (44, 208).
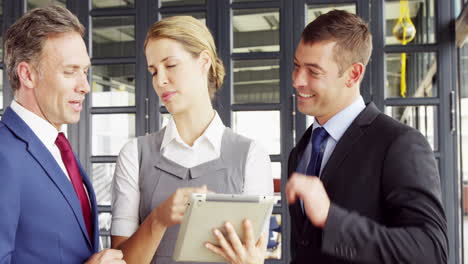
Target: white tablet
(208, 211)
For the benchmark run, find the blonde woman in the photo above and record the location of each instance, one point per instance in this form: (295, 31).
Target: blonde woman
(195, 152)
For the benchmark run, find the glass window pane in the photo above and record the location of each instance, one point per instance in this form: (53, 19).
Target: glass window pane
(250, 0)
(465, 218)
(102, 175)
(113, 85)
(42, 3)
(165, 119)
(256, 81)
(276, 173)
(113, 3)
(181, 2)
(313, 11)
(256, 30)
(1, 88)
(105, 242)
(420, 13)
(110, 132)
(309, 120)
(274, 238)
(420, 74)
(463, 71)
(463, 85)
(423, 118)
(262, 126)
(113, 36)
(104, 229)
(276, 170)
(199, 16)
(1, 31)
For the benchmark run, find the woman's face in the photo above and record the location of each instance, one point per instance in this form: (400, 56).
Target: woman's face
(179, 79)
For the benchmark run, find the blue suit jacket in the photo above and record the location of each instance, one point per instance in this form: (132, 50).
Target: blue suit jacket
(40, 215)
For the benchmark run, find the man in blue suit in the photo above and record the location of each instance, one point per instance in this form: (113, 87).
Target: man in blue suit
(47, 204)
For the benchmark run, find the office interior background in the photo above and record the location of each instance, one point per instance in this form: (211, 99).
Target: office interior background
(256, 40)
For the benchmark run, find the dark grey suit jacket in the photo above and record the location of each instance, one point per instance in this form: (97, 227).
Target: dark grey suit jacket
(384, 187)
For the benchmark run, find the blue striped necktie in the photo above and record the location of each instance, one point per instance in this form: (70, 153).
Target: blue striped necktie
(319, 139)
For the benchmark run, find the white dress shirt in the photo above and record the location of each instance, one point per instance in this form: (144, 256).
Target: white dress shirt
(126, 193)
(44, 130)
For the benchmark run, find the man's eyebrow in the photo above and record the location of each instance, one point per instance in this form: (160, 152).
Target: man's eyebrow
(76, 66)
(313, 65)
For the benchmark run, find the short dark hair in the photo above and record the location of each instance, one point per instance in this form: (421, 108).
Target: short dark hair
(26, 38)
(351, 34)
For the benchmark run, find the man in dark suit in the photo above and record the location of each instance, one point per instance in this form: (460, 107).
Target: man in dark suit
(47, 204)
(363, 188)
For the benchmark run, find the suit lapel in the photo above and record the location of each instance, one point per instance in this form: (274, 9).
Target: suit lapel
(94, 206)
(341, 151)
(43, 156)
(348, 141)
(297, 155)
(302, 145)
(343, 148)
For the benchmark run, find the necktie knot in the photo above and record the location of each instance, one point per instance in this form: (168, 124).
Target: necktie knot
(318, 137)
(62, 143)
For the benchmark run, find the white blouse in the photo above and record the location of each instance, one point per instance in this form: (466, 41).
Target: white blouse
(125, 188)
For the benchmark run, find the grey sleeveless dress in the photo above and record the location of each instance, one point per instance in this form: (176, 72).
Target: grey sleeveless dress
(160, 177)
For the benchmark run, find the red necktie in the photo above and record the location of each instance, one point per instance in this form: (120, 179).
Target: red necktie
(69, 160)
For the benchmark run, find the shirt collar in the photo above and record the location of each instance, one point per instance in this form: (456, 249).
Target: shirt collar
(44, 130)
(340, 122)
(213, 134)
